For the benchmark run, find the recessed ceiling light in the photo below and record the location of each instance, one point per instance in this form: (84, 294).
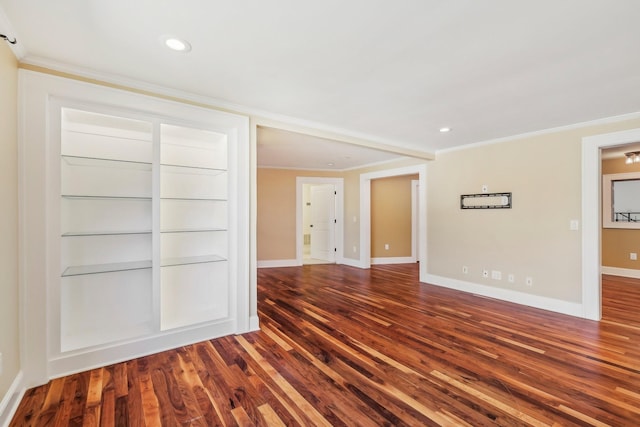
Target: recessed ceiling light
(175, 43)
(330, 164)
(445, 129)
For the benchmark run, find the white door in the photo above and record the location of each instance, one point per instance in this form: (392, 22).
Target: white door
(323, 214)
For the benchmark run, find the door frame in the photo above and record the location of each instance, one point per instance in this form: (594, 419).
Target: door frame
(415, 215)
(365, 213)
(338, 183)
(592, 216)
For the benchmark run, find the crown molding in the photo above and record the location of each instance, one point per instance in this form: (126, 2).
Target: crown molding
(579, 125)
(261, 116)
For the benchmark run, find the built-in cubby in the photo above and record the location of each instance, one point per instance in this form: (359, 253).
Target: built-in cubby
(106, 181)
(193, 226)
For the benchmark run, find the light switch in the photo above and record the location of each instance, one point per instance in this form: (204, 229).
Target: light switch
(574, 225)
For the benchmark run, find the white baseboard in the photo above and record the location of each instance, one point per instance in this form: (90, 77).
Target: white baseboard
(352, 262)
(393, 260)
(273, 263)
(536, 301)
(254, 323)
(622, 272)
(11, 400)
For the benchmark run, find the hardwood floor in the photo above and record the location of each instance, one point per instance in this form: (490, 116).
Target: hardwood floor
(343, 346)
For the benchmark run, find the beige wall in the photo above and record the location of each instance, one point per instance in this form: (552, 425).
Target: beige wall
(276, 209)
(532, 239)
(391, 216)
(9, 345)
(276, 229)
(617, 243)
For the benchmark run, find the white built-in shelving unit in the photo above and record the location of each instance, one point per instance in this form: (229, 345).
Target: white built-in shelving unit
(135, 214)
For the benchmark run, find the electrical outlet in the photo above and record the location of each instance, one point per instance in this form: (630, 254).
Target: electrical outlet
(485, 273)
(465, 269)
(496, 275)
(529, 281)
(511, 278)
(355, 249)
(386, 246)
(633, 256)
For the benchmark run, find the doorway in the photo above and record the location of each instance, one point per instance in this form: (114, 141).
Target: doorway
(319, 220)
(591, 216)
(365, 213)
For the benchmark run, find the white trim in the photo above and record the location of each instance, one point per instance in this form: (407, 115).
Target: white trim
(393, 260)
(274, 263)
(339, 231)
(544, 303)
(622, 272)
(415, 216)
(11, 400)
(365, 213)
(591, 216)
(254, 323)
(596, 122)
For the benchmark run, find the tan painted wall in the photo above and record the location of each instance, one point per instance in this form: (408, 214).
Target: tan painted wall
(617, 243)
(391, 216)
(276, 209)
(532, 239)
(276, 229)
(9, 345)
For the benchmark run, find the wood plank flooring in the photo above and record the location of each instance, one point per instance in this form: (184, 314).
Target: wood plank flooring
(342, 346)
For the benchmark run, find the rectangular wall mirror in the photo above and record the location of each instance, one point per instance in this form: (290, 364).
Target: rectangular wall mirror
(621, 200)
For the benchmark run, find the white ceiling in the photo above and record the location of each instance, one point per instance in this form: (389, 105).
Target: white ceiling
(393, 72)
(283, 149)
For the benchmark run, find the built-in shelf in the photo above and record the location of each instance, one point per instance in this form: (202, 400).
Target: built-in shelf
(169, 262)
(87, 197)
(217, 170)
(104, 233)
(106, 268)
(193, 230)
(123, 270)
(104, 162)
(195, 199)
